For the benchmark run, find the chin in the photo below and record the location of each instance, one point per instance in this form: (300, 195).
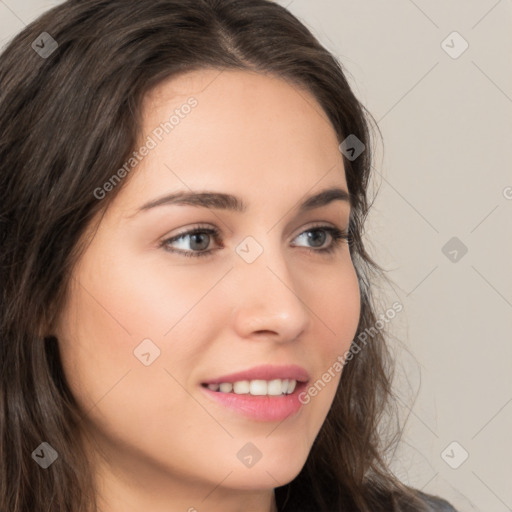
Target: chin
(263, 479)
(275, 471)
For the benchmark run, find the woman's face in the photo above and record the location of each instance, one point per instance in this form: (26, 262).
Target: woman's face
(150, 320)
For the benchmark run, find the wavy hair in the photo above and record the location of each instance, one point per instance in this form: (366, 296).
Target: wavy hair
(67, 120)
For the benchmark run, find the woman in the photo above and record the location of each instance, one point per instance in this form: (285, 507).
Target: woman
(184, 186)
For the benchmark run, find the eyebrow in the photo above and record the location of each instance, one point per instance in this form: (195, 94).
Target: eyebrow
(222, 201)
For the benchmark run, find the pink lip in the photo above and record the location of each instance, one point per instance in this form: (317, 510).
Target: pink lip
(265, 372)
(260, 408)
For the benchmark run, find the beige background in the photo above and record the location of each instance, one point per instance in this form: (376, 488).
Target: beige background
(444, 171)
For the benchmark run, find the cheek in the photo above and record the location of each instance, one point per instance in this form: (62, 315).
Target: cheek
(105, 320)
(149, 296)
(337, 308)
(115, 307)
(95, 347)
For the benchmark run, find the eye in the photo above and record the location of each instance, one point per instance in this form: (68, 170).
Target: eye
(336, 235)
(198, 240)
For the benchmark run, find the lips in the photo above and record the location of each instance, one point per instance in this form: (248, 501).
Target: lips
(263, 408)
(264, 372)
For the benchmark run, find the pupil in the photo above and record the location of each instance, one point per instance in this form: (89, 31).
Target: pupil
(196, 237)
(312, 235)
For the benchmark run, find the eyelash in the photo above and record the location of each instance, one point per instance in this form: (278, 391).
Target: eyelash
(337, 235)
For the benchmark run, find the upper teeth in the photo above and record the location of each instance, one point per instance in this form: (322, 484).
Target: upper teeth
(256, 387)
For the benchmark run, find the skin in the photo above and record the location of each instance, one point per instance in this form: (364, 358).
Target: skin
(155, 440)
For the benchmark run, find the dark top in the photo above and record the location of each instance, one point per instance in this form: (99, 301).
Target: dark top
(433, 503)
(436, 503)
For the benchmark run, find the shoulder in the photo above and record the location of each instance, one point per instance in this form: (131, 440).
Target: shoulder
(435, 503)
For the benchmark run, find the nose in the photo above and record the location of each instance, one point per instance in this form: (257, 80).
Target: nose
(268, 302)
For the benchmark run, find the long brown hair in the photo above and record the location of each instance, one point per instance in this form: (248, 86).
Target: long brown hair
(70, 115)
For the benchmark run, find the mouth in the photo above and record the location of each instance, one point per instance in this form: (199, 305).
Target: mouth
(264, 393)
(268, 404)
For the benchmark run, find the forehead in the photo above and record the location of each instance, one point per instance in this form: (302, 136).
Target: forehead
(247, 132)
(235, 106)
